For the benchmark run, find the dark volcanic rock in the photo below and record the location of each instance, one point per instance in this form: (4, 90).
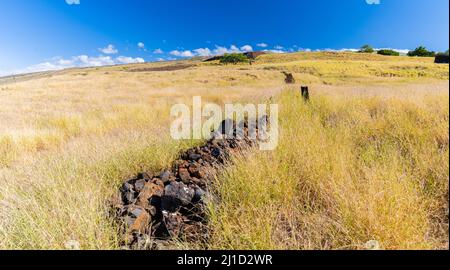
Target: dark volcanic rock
(184, 175)
(127, 193)
(196, 171)
(145, 176)
(137, 219)
(127, 187)
(149, 191)
(195, 157)
(165, 176)
(199, 195)
(158, 209)
(289, 78)
(139, 185)
(176, 195)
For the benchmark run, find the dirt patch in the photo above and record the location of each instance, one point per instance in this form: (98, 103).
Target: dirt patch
(156, 209)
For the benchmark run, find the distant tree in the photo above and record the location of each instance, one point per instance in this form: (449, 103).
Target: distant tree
(388, 52)
(233, 58)
(421, 51)
(366, 49)
(443, 53)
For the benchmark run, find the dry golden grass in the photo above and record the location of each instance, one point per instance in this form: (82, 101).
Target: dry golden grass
(340, 56)
(358, 163)
(339, 68)
(349, 169)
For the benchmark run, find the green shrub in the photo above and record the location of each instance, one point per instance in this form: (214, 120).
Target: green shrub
(446, 53)
(388, 52)
(233, 58)
(421, 51)
(366, 49)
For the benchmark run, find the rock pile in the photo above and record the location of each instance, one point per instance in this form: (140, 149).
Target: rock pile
(289, 78)
(170, 205)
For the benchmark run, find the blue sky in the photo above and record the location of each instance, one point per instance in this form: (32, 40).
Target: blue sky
(51, 34)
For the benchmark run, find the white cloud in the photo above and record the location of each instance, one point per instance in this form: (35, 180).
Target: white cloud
(401, 51)
(348, 50)
(187, 54)
(337, 50)
(278, 47)
(158, 51)
(141, 45)
(234, 49)
(110, 49)
(220, 50)
(262, 45)
(58, 63)
(182, 53)
(86, 61)
(247, 48)
(203, 52)
(275, 51)
(64, 62)
(73, 2)
(129, 60)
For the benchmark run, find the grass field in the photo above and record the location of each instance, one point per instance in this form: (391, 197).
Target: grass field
(367, 159)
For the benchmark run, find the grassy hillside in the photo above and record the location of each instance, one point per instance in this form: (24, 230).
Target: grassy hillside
(367, 159)
(348, 170)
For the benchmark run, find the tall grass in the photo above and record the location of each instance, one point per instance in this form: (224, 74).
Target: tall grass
(360, 162)
(347, 171)
(64, 197)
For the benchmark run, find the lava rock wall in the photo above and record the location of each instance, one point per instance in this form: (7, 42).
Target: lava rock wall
(155, 209)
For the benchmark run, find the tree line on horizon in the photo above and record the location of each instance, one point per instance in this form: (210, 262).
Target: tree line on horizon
(420, 51)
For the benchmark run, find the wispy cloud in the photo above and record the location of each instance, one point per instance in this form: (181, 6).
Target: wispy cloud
(275, 51)
(141, 45)
(262, 45)
(278, 47)
(247, 48)
(203, 52)
(58, 63)
(110, 49)
(220, 50)
(73, 2)
(401, 51)
(128, 60)
(186, 53)
(158, 51)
